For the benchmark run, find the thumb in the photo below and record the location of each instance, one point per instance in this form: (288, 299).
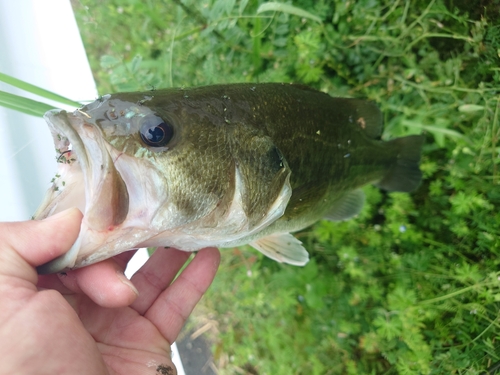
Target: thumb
(27, 244)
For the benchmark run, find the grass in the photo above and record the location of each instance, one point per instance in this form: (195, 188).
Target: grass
(412, 285)
(26, 105)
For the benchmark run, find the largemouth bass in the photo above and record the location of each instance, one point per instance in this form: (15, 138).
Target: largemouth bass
(222, 165)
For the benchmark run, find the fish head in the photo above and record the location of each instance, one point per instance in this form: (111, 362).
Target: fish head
(155, 169)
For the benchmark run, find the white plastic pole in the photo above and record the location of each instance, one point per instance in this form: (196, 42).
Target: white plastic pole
(39, 43)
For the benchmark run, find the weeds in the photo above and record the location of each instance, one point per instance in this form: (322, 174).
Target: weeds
(412, 285)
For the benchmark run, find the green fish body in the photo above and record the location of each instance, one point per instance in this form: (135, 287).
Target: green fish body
(220, 165)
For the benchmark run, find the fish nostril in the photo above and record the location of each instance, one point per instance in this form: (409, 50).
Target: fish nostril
(111, 114)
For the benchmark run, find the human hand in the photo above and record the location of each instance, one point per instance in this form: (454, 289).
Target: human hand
(91, 320)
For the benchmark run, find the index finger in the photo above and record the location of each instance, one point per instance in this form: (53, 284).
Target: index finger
(174, 305)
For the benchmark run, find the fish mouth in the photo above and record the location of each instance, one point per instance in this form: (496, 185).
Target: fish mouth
(87, 179)
(67, 189)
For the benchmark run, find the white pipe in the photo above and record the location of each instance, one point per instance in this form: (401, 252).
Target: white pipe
(39, 43)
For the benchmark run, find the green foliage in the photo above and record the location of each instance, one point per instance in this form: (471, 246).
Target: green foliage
(412, 285)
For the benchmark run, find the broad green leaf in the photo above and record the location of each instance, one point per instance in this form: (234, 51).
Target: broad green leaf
(273, 6)
(22, 104)
(136, 63)
(37, 90)
(242, 6)
(108, 61)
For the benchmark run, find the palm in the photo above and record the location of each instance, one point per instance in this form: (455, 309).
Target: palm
(136, 338)
(128, 342)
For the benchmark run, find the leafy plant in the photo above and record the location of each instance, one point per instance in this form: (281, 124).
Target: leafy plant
(412, 285)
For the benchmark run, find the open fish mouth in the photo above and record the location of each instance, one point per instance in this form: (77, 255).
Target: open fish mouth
(86, 178)
(68, 189)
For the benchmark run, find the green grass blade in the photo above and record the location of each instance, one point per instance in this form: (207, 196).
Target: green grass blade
(469, 108)
(257, 44)
(24, 105)
(286, 8)
(37, 90)
(437, 131)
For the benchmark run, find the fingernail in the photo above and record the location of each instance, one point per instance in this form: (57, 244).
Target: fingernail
(61, 214)
(127, 282)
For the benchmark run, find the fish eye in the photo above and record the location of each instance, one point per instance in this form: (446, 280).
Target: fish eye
(156, 132)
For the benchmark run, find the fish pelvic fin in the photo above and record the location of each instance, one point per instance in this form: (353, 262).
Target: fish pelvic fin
(405, 176)
(283, 248)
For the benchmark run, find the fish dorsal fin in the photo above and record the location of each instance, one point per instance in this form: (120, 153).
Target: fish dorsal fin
(283, 248)
(405, 176)
(346, 207)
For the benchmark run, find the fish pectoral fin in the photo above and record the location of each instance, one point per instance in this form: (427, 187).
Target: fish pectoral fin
(348, 206)
(283, 248)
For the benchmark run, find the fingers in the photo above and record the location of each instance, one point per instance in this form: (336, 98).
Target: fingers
(171, 309)
(156, 275)
(122, 259)
(103, 282)
(52, 282)
(29, 244)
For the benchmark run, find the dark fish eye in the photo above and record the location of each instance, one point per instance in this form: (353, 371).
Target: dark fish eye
(156, 132)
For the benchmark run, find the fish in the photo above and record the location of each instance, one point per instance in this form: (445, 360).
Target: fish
(221, 165)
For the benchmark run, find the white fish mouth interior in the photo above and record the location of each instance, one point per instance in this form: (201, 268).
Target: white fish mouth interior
(68, 186)
(67, 190)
